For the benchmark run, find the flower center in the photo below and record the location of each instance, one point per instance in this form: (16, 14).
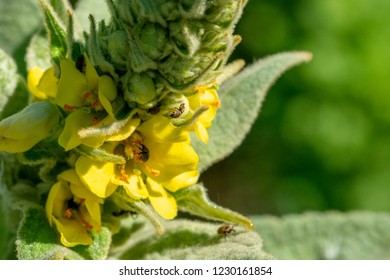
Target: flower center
(90, 102)
(135, 149)
(73, 212)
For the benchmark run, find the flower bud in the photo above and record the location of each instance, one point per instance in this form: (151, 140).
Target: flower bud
(186, 37)
(178, 70)
(21, 131)
(139, 88)
(174, 106)
(153, 41)
(118, 46)
(180, 44)
(225, 13)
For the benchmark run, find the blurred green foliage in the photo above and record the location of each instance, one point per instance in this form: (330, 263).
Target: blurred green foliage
(322, 139)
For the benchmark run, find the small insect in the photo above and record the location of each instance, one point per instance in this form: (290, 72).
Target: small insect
(80, 64)
(143, 154)
(178, 111)
(154, 110)
(226, 229)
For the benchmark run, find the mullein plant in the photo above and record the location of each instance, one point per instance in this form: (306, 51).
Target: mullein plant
(127, 115)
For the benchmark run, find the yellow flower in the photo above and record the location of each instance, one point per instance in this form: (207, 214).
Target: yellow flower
(73, 209)
(159, 160)
(21, 131)
(87, 97)
(205, 96)
(42, 84)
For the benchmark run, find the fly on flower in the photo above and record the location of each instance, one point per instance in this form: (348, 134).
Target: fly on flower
(80, 64)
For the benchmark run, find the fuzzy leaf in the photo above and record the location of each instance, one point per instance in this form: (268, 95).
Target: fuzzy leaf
(37, 240)
(194, 200)
(6, 235)
(332, 235)
(61, 7)
(57, 34)
(18, 21)
(13, 90)
(18, 100)
(99, 154)
(7, 223)
(241, 98)
(184, 240)
(8, 78)
(123, 200)
(38, 52)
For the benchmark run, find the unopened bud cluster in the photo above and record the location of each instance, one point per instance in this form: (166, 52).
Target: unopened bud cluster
(162, 47)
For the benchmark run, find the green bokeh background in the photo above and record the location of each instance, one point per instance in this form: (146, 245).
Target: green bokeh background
(322, 139)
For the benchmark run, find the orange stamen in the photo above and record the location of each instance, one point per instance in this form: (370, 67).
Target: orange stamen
(95, 103)
(68, 213)
(124, 176)
(95, 121)
(86, 95)
(86, 224)
(69, 107)
(200, 89)
(152, 171)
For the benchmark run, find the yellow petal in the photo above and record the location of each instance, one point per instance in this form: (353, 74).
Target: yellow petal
(84, 193)
(160, 129)
(96, 175)
(94, 142)
(71, 86)
(70, 176)
(170, 159)
(106, 104)
(182, 180)
(33, 77)
(59, 193)
(69, 138)
(48, 83)
(90, 74)
(201, 132)
(194, 101)
(164, 204)
(107, 87)
(134, 186)
(126, 131)
(72, 233)
(209, 97)
(208, 116)
(91, 213)
(132, 183)
(107, 93)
